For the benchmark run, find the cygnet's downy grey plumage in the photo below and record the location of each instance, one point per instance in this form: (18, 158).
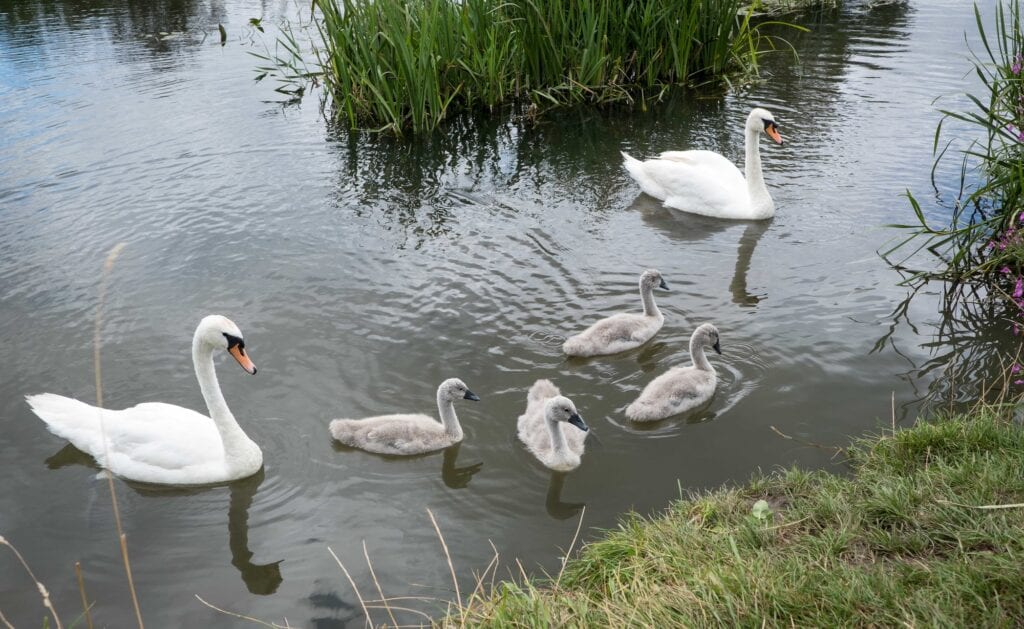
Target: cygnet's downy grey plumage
(540, 428)
(681, 388)
(408, 433)
(623, 331)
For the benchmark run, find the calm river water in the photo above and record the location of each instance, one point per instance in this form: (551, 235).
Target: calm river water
(365, 270)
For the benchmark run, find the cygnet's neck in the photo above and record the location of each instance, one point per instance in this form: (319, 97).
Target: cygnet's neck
(236, 442)
(647, 296)
(700, 360)
(446, 409)
(760, 199)
(557, 438)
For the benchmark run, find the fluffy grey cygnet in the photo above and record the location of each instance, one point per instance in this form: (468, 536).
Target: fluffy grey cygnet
(540, 427)
(681, 388)
(408, 433)
(623, 331)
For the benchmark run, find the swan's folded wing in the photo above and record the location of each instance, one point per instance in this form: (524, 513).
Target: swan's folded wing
(162, 436)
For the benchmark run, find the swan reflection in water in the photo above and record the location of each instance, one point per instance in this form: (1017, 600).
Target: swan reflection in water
(259, 579)
(452, 475)
(457, 477)
(681, 226)
(553, 501)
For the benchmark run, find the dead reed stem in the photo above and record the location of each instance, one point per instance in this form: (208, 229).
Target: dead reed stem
(348, 576)
(380, 590)
(455, 581)
(108, 265)
(565, 559)
(892, 407)
(241, 616)
(43, 592)
(81, 590)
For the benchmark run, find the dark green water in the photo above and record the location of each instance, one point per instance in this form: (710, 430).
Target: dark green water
(365, 270)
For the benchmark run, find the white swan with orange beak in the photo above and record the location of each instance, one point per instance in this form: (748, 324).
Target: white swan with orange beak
(704, 182)
(162, 443)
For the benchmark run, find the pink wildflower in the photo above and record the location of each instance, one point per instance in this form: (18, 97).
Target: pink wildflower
(1015, 369)
(1018, 290)
(1016, 67)
(1018, 381)
(1004, 270)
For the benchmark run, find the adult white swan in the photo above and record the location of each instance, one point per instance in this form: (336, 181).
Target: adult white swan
(163, 443)
(704, 182)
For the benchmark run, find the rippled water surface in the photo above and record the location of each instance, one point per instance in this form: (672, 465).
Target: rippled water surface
(365, 270)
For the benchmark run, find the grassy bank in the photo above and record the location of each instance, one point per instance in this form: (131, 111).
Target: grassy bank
(921, 533)
(403, 64)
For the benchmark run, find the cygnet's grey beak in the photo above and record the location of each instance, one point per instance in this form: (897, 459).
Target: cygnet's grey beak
(663, 284)
(577, 421)
(717, 348)
(471, 396)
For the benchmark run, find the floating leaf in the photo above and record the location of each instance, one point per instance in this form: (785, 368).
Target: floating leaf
(256, 23)
(761, 510)
(223, 34)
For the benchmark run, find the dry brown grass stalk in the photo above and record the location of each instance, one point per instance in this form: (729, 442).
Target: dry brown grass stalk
(43, 592)
(568, 553)
(362, 603)
(81, 591)
(108, 266)
(380, 590)
(447, 555)
(243, 616)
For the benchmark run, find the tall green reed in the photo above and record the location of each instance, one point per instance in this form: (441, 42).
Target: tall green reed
(401, 65)
(988, 210)
(980, 251)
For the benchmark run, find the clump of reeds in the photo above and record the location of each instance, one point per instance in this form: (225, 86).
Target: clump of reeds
(980, 252)
(402, 64)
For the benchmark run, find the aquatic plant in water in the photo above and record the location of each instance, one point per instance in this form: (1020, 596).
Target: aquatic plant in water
(400, 65)
(981, 250)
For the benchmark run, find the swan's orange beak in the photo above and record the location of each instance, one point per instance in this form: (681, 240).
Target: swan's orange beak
(773, 133)
(242, 358)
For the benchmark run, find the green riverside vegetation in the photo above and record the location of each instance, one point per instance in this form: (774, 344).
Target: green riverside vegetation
(400, 65)
(928, 530)
(981, 250)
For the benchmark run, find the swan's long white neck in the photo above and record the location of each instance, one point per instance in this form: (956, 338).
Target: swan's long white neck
(647, 295)
(237, 445)
(446, 409)
(700, 360)
(557, 438)
(760, 199)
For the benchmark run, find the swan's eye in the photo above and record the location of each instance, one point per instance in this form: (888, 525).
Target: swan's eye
(234, 340)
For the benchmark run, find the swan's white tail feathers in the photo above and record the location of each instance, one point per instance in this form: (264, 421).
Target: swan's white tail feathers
(636, 170)
(633, 165)
(542, 390)
(70, 419)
